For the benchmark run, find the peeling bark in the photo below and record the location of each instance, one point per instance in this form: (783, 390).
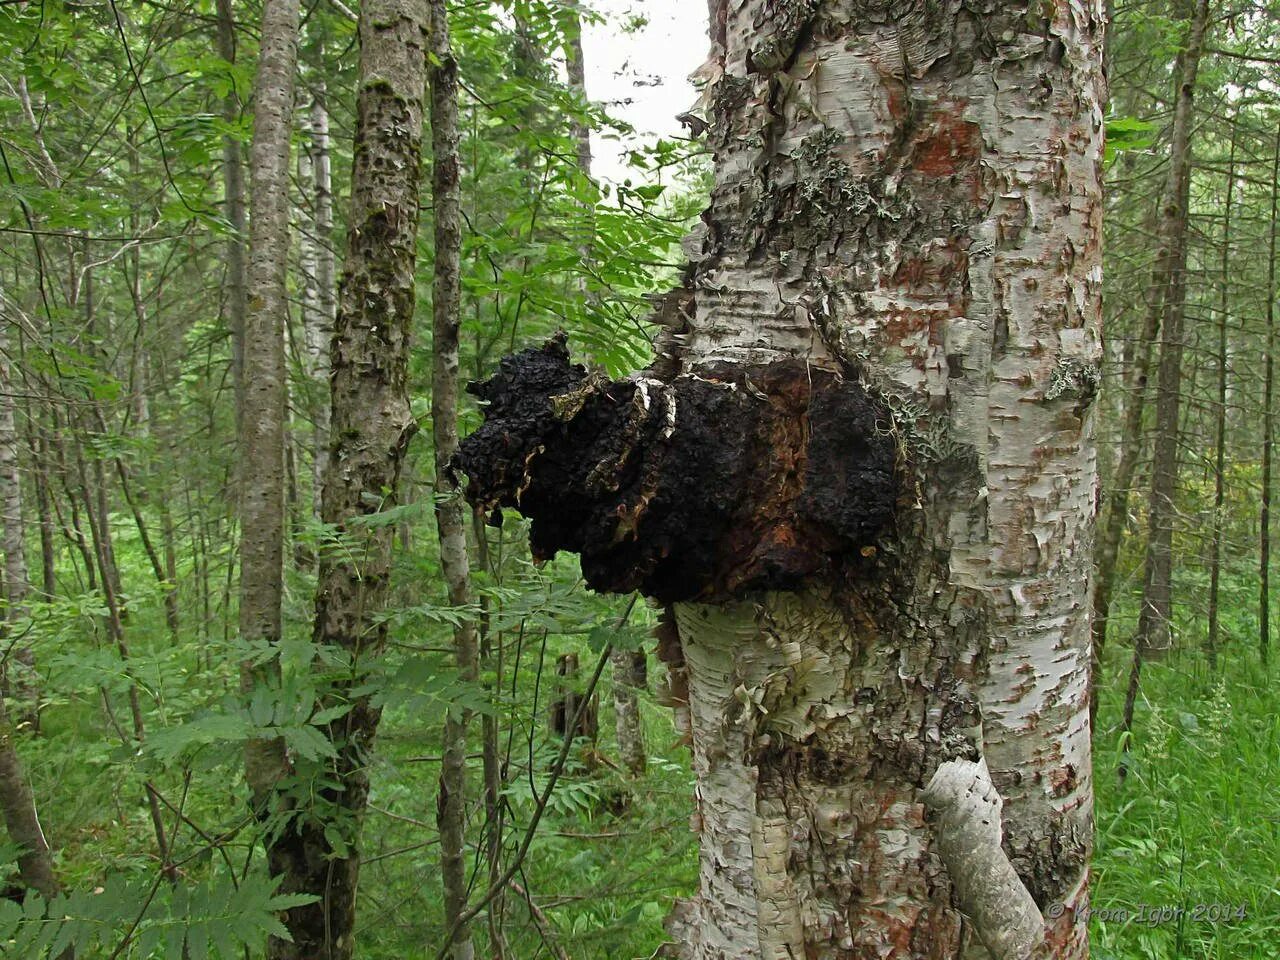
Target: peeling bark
(905, 220)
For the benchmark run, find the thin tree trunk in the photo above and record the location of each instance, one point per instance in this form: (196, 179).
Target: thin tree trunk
(16, 675)
(491, 667)
(451, 812)
(234, 209)
(97, 514)
(44, 505)
(1268, 422)
(97, 507)
(1154, 633)
(74, 532)
(1137, 369)
(318, 275)
(18, 806)
(372, 424)
(148, 546)
(262, 435)
(1220, 416)
(630, 676)
(576, 71)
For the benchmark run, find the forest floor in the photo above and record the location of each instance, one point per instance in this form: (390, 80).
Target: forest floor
(1185, 864)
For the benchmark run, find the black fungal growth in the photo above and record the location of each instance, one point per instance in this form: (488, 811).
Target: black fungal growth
(732, 479)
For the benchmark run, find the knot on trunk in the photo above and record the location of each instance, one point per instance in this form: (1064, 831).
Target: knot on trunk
(725, 480)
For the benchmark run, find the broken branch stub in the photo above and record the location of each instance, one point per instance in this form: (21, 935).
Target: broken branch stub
(718, 482)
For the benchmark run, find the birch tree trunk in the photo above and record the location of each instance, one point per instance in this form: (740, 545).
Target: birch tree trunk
(911, 198)
(372, 424)
(17, 803)
(318, 304)
(18, 661)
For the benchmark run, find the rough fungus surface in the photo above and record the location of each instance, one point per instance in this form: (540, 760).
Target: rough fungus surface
(726, 480)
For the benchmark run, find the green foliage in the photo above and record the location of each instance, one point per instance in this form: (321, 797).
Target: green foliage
(218, 918)
(1128, 133)
(1194, 826)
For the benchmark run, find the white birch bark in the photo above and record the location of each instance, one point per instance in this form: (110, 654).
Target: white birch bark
(319, 303)
(910, 194)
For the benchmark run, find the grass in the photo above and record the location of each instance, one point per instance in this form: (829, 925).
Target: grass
(1194, 831)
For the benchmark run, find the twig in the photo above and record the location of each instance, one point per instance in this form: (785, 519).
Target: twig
(541, 922)
(540, 808)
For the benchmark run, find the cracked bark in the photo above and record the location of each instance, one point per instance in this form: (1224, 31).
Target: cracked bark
(905, 216)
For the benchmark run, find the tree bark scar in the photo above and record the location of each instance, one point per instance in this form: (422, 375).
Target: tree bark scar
(711, 485)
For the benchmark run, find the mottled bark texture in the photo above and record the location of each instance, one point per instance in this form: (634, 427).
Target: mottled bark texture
(371, 427)
(905, 221)
(263, 406)
(451, 803)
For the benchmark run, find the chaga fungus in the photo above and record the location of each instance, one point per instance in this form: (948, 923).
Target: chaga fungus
(725, 480)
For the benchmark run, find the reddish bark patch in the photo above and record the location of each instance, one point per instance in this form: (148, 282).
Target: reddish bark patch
(949, 146)
(1062, 780)
(741, 478)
